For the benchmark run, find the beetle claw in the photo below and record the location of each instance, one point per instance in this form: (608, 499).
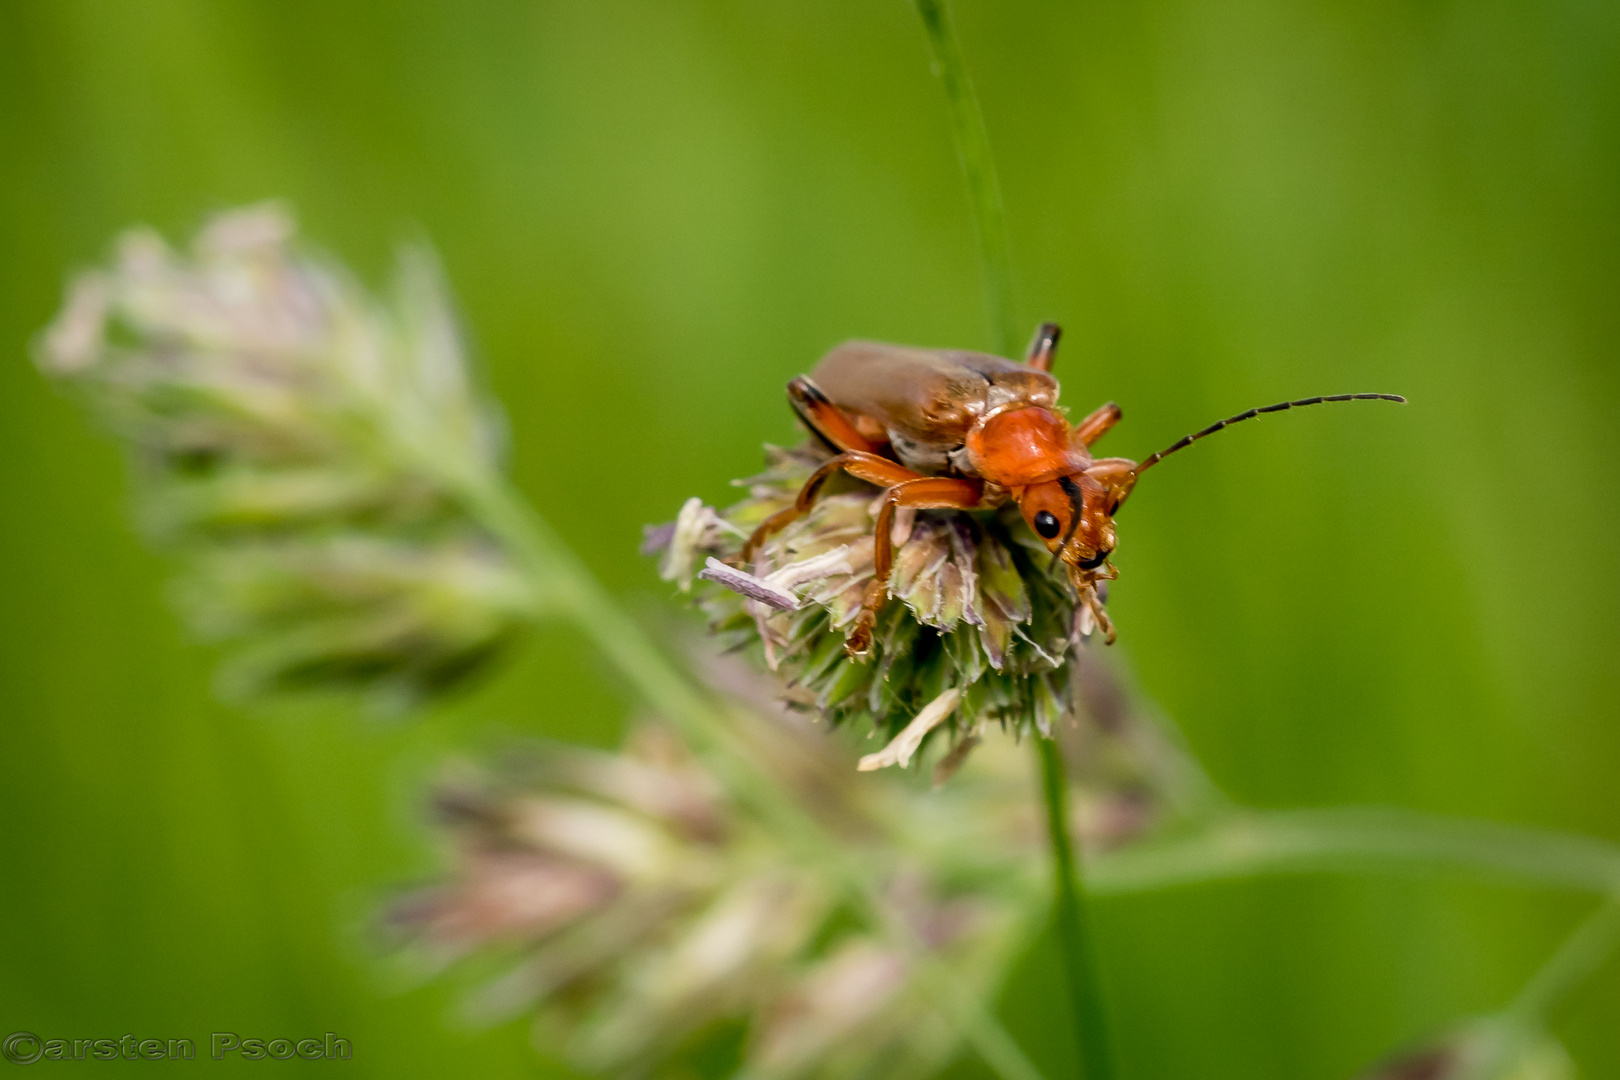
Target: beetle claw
(859, 641)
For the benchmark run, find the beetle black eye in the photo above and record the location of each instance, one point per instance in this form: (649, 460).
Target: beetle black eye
(1046, 523)
(1093, 562)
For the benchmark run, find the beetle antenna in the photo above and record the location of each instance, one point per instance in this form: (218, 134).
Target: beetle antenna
(1072, 490)
(1187, 440)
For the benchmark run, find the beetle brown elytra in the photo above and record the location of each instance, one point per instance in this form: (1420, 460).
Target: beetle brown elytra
(949, 429)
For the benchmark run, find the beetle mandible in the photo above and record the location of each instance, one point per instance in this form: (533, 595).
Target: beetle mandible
(950, 429)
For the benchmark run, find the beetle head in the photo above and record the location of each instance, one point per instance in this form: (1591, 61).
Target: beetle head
(1074, 514)
(1068, 499)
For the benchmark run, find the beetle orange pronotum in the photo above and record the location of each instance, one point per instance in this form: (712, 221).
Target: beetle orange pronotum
(949, 429)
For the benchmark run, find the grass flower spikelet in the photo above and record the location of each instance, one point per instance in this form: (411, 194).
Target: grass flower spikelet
(301, 448)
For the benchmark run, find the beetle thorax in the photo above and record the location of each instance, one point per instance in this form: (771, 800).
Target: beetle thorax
(1023, 446)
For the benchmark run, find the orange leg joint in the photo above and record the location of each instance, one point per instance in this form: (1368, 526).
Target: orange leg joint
(859, 464)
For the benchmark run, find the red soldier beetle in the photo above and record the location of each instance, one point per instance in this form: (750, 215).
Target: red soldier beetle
(947, 429)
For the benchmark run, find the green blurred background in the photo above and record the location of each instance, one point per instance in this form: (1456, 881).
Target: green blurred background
(656, 212)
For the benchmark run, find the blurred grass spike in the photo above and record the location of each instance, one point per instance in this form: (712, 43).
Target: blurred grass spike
(635, 906)
(632, 901)
(301, 448)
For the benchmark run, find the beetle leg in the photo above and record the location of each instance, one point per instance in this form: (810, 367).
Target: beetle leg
(858, 463)
(1043, 349)
(825, 419)
(1096, 425)
(922, 493)
(1100, 613)
(1089, 612)
(1090, 616)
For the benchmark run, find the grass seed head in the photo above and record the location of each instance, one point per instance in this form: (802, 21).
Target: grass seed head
(304, 450)
(975, 627)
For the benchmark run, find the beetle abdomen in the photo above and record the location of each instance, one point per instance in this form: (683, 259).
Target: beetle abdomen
(926, 399)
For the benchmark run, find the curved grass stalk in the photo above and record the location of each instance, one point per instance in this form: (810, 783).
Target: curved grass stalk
(1577, 959)
(1248, 844)
(1348, 839)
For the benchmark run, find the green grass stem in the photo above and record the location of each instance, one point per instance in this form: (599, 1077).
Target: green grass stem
(978, 167)
(984, 194)
(1086, 1000)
